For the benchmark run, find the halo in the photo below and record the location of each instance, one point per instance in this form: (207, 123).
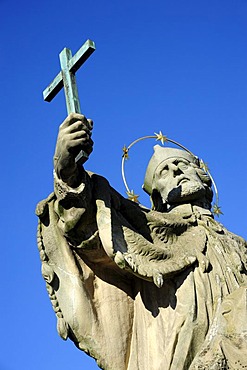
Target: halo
(164, 139)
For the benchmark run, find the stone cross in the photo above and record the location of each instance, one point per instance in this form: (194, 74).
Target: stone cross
(66, 78)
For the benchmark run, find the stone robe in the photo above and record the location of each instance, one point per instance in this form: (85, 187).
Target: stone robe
(139, 289)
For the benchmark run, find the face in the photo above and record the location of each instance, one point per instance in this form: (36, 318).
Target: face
(177, 181)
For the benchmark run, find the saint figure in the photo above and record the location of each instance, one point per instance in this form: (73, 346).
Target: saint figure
(138, 288)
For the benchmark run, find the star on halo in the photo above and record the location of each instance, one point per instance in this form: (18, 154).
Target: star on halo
(216, 210)
(132, 196)
(161, 137)
(125, 152)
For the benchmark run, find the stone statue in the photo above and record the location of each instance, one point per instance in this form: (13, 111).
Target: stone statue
(141, 289)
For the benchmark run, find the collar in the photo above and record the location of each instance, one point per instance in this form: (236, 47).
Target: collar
(189, 210)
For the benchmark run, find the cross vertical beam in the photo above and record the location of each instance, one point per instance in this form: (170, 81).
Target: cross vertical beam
(69, 83)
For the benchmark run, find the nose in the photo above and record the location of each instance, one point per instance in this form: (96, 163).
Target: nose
(176, 170)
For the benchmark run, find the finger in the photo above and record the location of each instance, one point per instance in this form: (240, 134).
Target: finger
(76, 127)
(78, 135)
(90, 124)
(76, 142)
(72, 118)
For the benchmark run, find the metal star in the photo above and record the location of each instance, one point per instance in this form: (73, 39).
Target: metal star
(132, 196)
(125, 152)
(161, 137)
(216, 210)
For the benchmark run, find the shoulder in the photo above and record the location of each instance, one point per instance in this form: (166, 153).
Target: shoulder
(42, 206)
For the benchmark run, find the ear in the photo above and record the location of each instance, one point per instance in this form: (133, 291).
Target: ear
(157, 202)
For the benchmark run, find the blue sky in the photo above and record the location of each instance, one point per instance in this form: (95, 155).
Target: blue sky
(175, 66)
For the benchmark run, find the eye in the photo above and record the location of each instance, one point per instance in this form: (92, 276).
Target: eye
(164, 171)
(183, 166)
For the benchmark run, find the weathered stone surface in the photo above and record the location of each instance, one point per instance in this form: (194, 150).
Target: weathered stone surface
(161, 289)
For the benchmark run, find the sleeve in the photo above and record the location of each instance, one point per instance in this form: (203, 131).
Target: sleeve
(72, 203)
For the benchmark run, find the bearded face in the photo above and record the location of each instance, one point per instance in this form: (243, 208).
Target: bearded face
(177, 181)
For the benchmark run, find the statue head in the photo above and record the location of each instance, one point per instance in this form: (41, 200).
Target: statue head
(173, 177)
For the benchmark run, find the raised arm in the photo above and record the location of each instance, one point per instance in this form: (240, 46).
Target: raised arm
(72, 184)
(74, 135)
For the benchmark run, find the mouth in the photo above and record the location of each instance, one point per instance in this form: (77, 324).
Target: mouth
(182, 181)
